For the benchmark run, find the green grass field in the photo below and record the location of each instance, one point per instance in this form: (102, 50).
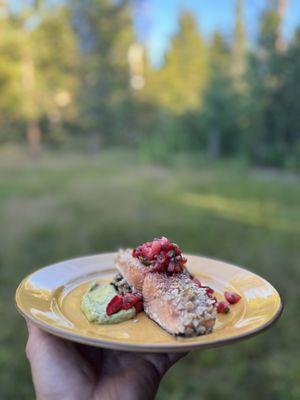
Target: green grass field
(58, 207)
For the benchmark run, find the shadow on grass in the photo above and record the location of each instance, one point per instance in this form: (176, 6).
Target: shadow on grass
(268, 215)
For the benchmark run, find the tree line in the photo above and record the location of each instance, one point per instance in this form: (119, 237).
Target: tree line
(74, 74)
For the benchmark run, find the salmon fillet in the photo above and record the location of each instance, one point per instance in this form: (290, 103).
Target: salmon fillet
(174, 301)
(132, 269)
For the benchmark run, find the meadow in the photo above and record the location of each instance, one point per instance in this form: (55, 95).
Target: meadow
(64, 205)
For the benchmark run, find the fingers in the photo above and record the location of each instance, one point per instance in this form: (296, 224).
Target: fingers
(174, 357)
(45, 351)
(35, 336)
(163, 362)
(42, 346)
(57, 367)
(93, 354)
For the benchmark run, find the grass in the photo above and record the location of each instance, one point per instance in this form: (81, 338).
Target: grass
(58, 207)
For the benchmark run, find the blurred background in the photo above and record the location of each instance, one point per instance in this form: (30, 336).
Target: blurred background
(125, 120)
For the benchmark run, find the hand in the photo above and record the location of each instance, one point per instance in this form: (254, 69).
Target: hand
(63, 370)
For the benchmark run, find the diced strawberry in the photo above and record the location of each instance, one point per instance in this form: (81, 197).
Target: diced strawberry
(163, 240)
(198, 283)
(162, 258)
(148, 252)
(160, 255)
(126, 306)
(231, 297)
(177, 250)
(115, 305)
(161, 268)
(166, 244)
(156, 246)
(222, 307)
(209, 290)
(178, 268)
(139, 307)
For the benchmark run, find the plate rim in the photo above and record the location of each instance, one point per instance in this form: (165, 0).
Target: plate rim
(157, 348)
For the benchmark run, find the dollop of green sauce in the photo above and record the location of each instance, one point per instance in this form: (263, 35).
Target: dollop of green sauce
(95, 301)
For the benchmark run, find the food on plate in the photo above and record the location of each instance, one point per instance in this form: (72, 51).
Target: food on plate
(178, 305)
(231, 297)
(153, 277)
(222, 307)
(95, 301)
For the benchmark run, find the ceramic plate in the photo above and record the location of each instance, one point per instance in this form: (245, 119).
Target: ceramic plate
(50, 298)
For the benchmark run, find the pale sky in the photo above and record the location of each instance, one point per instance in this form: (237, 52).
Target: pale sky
(156, 20)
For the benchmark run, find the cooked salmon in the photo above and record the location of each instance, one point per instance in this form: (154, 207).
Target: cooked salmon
(132, 269)
(174, 301)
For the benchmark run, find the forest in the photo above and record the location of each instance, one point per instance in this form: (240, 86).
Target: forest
(100, 148)
(75, 76)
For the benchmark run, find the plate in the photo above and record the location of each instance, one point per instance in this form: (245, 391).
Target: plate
(50, 298)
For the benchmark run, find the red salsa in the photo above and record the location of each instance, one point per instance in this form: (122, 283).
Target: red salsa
(160, 255)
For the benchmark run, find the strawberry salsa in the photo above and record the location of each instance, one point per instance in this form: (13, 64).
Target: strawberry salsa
(115, 302)
(125, 302)
(163, 256)
(160, 255)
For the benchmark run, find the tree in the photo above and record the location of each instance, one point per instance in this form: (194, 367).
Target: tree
(55, 61)
(290, 101)
(181, 80)
(239, 46)
(10, 70)
(105, 32)
(220, 104)
(265, 77)
(37, 69)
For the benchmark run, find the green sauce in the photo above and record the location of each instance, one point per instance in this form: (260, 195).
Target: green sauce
(95, 301)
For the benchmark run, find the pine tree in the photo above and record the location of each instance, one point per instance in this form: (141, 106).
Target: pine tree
(54, 56)
(181, 80)
(281, 9)
(10, 71)
(269, 28)
(37, 78)
(265, 77)
(239, 45)
(290, 102)
(219, 114)
(105, 32)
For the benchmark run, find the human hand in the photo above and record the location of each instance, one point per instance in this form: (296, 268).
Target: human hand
(63, 370)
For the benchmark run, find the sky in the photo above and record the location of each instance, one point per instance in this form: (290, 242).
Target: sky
(157, 20)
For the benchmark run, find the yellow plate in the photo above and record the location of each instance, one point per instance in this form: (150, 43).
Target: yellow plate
(50, 298)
